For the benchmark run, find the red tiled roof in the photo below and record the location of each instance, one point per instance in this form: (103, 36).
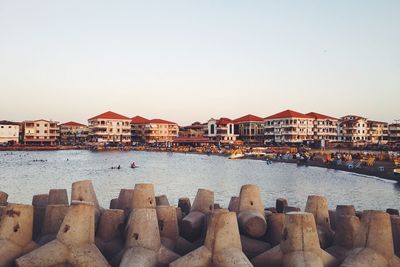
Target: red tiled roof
(288, 114)
(110, 115)
(247, 118)
(224, 121)
(139, 120)
(72, 123)
(160, 121)
(320, 116)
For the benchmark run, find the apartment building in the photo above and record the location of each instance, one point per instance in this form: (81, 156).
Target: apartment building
(394, 132)
(289, 126)
(221, 130)
(73, 133)
(138, 129)
(110, 128)
(250, 129)
(378, 132)
(353, 129)
(195, 130)
(324, 127)
(40, 132)
(155, 131)
(9, 132)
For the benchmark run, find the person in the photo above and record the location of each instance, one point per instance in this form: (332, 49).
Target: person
(119, 167)
(133, 165)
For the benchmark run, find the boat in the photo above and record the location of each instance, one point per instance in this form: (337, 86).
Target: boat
(396, 172)
(237, 154)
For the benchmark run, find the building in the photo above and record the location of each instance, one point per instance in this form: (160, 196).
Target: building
(378, 132)
(290, 127)
(250, 129)
(40, 132)
(138, 129)
(394, 132)
(353, 129)
(195, 130)
(110, 128)
(155, 131)
(9, 132)
(221, 131)
(324, 127)
(73, 133)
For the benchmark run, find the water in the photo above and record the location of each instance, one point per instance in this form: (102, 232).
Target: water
(179, 175)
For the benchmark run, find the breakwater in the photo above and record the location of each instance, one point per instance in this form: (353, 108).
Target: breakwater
(139, 228)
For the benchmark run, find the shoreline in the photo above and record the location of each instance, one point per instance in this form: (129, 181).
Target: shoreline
(374, 171)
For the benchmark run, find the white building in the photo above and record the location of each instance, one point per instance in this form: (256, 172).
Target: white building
(40, 132)
(353, 129)
(324, 127)
(222, 130)
(110, 128)
(288, 127)
(9, 132)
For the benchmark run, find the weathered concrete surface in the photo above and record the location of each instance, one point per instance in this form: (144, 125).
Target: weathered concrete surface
(16, 227)
(251, 212)
(299, 245)
(74, 244)
(373, 243)
(222, 246)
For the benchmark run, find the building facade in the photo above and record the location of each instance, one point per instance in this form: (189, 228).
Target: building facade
(324, 127)
(378, 132)
(195, 130)
(353, 129)
(9, 132)
(110, 128)
(289, 127)
(138, 129)
(394, 132)
(155, 131)
(221, 130)
(40, 132)
(73, 133)
(250, 129)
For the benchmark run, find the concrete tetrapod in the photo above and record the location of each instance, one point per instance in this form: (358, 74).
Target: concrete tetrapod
(342, 210)
(53, 219)
(373, 243)
(109, 233)
(39, 203)
(222, 246)
(184, 204)
(169, 231)
(345, 234)
(3, 202)
(193, 223)
(74, 244)
(84, 191)
(16, 226)
(143, 197)
(250, 214)
(143, 243)
(395, 220)
(318, 206)
(299, 245)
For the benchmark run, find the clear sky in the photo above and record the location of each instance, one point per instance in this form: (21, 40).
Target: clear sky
(193, 60)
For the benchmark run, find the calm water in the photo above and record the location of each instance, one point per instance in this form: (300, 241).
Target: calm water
(179, 175)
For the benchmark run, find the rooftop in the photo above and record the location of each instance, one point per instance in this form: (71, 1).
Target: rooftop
(72, 124)
(139, 120)
(110, 115)
(320, 116)
(288, 114)
(248, 118)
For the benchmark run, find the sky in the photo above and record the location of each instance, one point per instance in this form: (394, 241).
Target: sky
(189, 60)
